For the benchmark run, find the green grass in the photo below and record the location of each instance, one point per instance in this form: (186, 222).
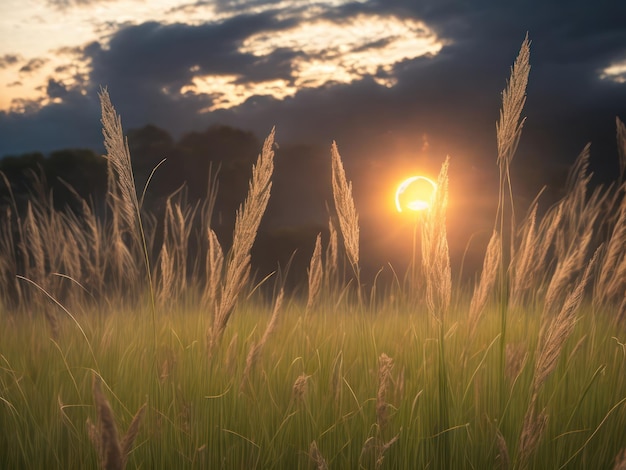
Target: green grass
(200, 417)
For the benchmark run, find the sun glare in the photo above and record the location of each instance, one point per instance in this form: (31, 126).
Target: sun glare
(415, 194)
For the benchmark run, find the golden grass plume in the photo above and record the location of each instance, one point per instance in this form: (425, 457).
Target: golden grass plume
(435, 253)
(346, 210)
(112, 453)
(247, 223)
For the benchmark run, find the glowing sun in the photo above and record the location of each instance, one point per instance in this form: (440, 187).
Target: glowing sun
(415, 194)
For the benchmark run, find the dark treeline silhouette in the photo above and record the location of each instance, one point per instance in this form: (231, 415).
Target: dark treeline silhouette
(296, 213)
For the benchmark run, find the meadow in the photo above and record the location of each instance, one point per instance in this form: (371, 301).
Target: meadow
(131, 341)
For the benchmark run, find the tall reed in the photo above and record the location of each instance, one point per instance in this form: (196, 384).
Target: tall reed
(346, 213)
(248, 219)
(126, 206)
(508, 133)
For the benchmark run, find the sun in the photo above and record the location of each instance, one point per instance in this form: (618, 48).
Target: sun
(415, 194)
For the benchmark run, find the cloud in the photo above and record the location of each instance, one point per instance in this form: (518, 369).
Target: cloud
(33, 65)
(8, 60)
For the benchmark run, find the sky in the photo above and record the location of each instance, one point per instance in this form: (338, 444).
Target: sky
(399, 84)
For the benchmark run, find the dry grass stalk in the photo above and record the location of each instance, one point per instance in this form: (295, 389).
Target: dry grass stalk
(487, 281)
(385, 367)
(316, 457)
(166, 283)
(332, 258)
(214, 265)
(384, 448)
(346, 211)
(435, 253)
(256, 348)
(247, 223)
(112, 453)
(315, 273)
(503, 462)
(337, 377)
(232, 354)
(532, 433)
(167, 365)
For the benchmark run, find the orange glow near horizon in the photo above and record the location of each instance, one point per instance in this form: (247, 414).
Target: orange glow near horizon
(415, 194)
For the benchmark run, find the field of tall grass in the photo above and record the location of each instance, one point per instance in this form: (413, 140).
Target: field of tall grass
(131, 340)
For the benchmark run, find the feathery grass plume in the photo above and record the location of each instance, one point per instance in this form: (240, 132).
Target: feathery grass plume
(247, 222)
(256, 348)
(516, 357)
(37, 274)
(503, 461)
(112, 453)
(565, 270)
(315, 273)
(346, 211)
(509, 126)
(332, 258)
(316, 457)
(385, 367)
(553, 335)
(300, 388)
(532, 433)
(531, 261)
(118, 156)
(35, 246)
(214, 265)
(611, 281)
(579, 211)
(435, 253)
(486, 283)
(621, 148)
(176, 233)
(166, 281)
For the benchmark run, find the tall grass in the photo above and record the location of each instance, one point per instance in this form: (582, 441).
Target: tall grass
(528, 372)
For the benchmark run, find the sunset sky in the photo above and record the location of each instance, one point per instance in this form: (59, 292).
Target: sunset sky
(317, 70)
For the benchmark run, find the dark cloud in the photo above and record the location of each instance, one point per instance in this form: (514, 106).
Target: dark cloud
(56, 89)
(33, 65)
(9, 59)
